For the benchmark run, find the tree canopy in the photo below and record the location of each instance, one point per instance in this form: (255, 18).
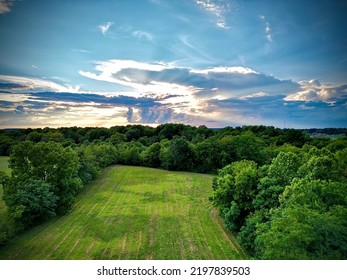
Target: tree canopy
(281, 191)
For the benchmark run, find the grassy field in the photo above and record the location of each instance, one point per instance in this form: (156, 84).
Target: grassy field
(3, 167)
(134, 213)
(4, 164)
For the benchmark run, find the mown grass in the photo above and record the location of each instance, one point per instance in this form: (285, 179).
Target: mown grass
(4, 164)
(3, 167)
(133, 213)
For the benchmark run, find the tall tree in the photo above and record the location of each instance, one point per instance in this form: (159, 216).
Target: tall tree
(234, 190)
(180, 154)
(51, 163)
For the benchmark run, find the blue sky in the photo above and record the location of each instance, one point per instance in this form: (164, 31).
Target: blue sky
(199, 62)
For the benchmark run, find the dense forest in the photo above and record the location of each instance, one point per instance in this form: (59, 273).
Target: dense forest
(282, 192)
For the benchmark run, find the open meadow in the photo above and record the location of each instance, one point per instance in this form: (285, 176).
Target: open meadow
(3, 167)
(4, 164)
(133, 213)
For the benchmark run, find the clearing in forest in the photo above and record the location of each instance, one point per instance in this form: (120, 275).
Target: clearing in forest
(133, 213)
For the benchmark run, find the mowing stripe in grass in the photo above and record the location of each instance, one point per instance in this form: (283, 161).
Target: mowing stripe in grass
(133, 213)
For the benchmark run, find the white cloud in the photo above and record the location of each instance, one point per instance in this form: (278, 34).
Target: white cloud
(222, 24)
(163, 79)
(57, 114)
(115, 65)
(80, 50)
(304, 107)
(5, 6)
(112, 71)
(105, 27)
(142, 35)
(230, 70)
(153, 88)
(267, 29)
(313, 90)
(185, 90)
(254, 95)
(218, 10)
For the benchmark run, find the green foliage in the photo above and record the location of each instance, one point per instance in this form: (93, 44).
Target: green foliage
(295, 170)
(309, 224)
(320, 195)
(53, 136)
(102, 154)
(248, 146)
(151, 156)
(279, 173)
(179, 155)
(286, 235)
(88, 167)
(341, 157)
(298, 208)
(133, 134)
(34, 136)
(320, 167)
(337, 145)
(117, 138)
(234, 191)
(207, 155)
(247, 234)
(303, 233)
(268, 192)
(129, 153)
(284, 168)
(30, 202)
(169, 130)
(6, 143)
(295, 137)
(232, 216)
(51, 163)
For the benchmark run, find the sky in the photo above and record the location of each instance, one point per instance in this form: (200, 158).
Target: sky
(199, 62)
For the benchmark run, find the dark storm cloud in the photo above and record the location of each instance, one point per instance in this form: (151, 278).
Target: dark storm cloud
(89, 98)
(9, 86)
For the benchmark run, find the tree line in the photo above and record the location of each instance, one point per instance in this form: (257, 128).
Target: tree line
(270, 183)
(293, 208)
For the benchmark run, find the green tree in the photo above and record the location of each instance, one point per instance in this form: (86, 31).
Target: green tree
(234, 190)
(54, 136)
(30, 202)
(129, 153)
(320, 167)
(207, 156)
(6, 144)
(151, 156)
(34, 136)
(311, 223)
(169, 130)
(51, 163)
(286, 235)
(248, 232)
(249, 147)
(284, 168)
(280, 173)
(341, 157)
(180, 154)
(133, 134)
